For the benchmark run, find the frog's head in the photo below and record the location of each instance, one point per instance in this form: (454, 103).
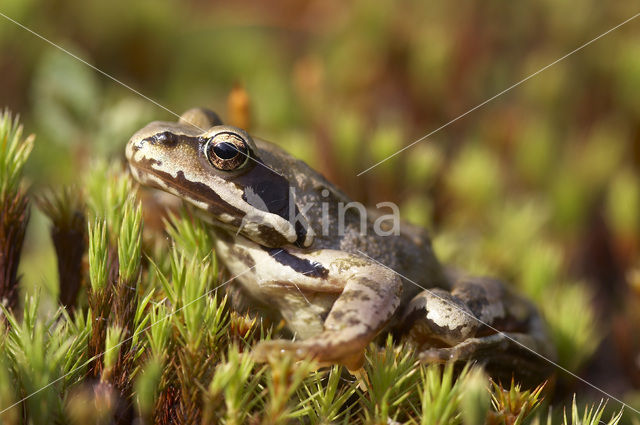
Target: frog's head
(216, 168)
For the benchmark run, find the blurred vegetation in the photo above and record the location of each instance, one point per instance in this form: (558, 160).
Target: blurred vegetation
(540, 187)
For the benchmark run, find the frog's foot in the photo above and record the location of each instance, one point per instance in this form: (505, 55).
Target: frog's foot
(320, 350)
(480, 321)
(504, 348)
(503, 356)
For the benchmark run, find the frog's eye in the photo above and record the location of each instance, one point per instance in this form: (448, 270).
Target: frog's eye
(227, 151)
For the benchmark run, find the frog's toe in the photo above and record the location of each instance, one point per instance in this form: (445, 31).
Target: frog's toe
(267, 351)
(502, 355)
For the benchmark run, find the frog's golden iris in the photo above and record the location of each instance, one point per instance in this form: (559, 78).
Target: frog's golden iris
(227, 151)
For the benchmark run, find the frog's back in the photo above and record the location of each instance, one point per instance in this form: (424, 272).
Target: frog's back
(409, 253)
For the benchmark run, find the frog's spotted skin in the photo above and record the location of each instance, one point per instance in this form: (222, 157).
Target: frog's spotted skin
(334, 300)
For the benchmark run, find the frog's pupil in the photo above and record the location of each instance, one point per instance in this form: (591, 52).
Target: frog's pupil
(225, 150)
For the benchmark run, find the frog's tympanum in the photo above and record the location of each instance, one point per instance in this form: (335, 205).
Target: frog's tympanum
(337, 277)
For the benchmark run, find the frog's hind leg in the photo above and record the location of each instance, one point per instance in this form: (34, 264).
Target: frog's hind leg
(364, 307)
(482, 321)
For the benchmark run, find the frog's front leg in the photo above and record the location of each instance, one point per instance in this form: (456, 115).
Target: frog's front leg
(369, 296)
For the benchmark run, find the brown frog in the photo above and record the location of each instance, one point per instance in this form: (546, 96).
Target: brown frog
(337, 275)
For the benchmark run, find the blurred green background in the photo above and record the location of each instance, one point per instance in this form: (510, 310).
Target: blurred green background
(540, 187)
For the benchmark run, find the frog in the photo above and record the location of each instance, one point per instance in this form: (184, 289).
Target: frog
(338, 278)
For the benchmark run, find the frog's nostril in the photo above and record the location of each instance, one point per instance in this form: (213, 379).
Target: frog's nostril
(134, 146)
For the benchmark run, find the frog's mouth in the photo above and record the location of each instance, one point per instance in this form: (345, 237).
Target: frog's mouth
(253, 216)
